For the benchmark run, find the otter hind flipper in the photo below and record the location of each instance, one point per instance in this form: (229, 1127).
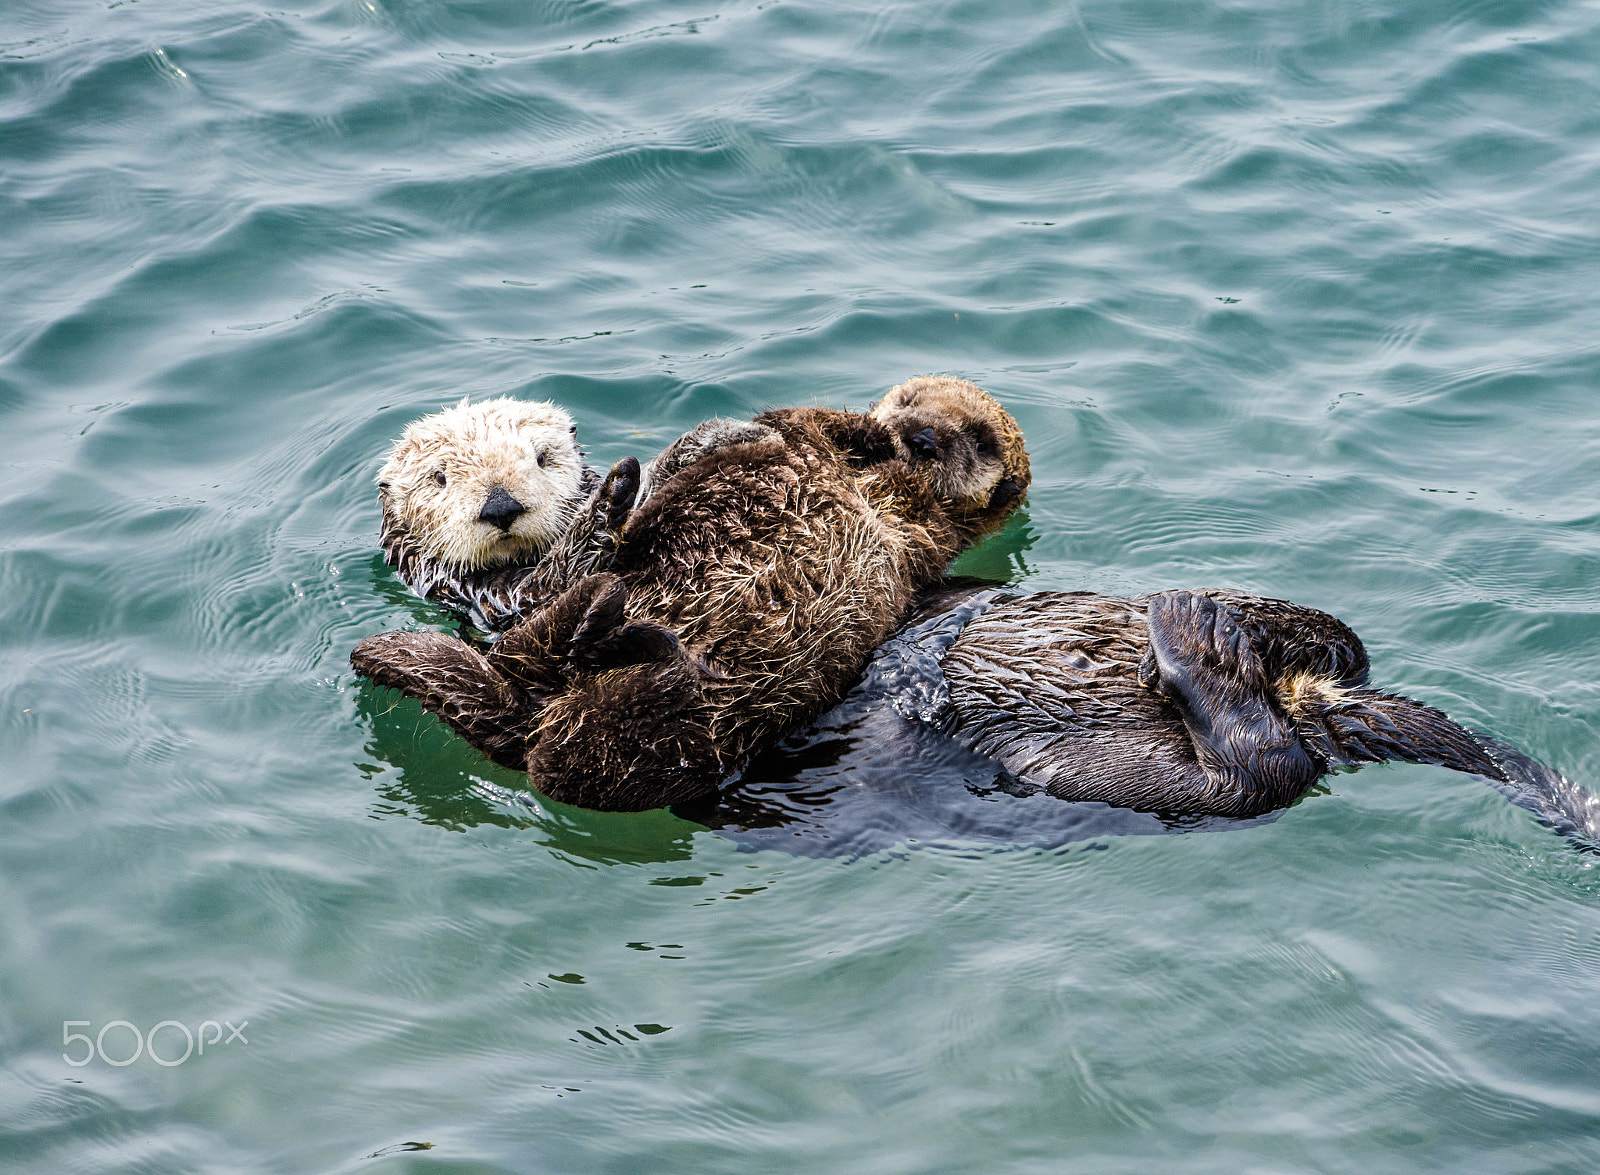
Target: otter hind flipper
(1204, 661)
(1369, 726)
(454, 681)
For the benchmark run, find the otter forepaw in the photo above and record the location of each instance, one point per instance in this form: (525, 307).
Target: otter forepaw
(604, 640)
(602, 618)
(538, 653)
(633, 644)
(620, 491)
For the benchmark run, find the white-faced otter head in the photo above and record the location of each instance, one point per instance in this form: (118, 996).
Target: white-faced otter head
(959, 437)
(485, 485)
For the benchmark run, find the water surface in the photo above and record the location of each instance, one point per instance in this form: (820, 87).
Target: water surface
(1294, 298)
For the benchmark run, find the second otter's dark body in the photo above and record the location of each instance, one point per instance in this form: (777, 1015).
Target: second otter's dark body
(1216, 702)
(1212, 703)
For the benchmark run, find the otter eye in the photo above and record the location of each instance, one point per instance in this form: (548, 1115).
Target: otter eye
(439, 478)
(544, 455)
(982, 446)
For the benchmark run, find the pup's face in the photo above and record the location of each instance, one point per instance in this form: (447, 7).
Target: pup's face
(959, 437)
(487, 484)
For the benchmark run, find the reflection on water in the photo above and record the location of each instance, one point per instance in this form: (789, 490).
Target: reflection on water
(438, 779)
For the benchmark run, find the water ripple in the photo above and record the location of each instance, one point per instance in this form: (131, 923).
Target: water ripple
(1297, 300)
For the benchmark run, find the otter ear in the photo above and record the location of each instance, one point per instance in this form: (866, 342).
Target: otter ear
(573, 430)
(394, 466)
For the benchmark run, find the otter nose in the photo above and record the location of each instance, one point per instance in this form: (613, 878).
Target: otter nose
(501, 509)
(925, 443)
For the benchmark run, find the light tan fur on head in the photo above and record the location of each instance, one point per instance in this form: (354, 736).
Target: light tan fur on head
(445, 469)
(961, 439)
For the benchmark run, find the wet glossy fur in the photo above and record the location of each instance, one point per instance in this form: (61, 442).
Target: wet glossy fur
(1215, 703)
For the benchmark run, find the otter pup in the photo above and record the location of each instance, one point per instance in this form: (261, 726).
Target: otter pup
(762, 566)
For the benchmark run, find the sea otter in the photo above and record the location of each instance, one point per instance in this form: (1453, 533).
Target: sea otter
(1184, 703)
(472, 495)
(745, 594)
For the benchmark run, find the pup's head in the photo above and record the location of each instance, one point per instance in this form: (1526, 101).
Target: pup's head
(487, 484)
(968, 447)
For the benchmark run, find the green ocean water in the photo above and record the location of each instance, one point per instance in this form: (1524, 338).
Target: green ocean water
(1299, 298)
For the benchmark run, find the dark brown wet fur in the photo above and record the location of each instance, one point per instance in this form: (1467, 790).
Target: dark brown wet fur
(1205, 703)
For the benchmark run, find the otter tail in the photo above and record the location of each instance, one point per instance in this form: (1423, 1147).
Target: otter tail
(1366, 726)
(1552, 797)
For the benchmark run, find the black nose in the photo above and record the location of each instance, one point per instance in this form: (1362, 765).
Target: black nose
(501, 509)
(924, 443)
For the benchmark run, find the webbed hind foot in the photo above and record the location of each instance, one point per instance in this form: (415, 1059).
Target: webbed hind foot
(1196, 643)
(1204, 660)
(454, 681)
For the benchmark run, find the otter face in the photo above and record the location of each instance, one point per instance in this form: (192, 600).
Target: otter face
(959, 437)
(487, 484)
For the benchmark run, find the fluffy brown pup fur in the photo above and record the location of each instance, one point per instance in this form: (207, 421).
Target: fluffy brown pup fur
(757, 582)
(746, 594)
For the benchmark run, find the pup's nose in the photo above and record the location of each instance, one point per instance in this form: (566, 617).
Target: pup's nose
(925, 443)
(501, 509)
